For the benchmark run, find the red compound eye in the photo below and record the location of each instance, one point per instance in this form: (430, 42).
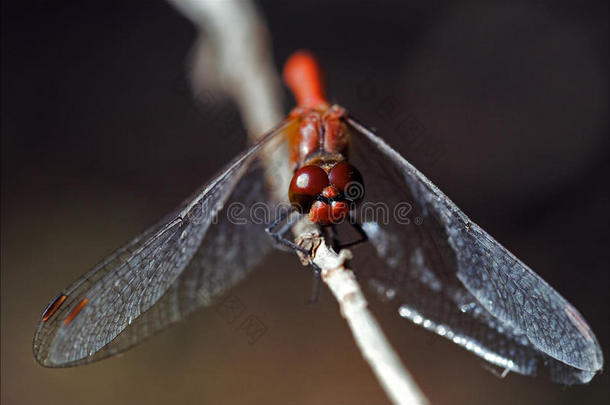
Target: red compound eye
(307, 183)
(347, 179)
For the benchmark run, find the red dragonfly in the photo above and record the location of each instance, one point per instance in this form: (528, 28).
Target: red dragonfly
(442, 272)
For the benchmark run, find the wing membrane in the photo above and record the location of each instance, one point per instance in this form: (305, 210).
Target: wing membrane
(162, 275)
(450, 276)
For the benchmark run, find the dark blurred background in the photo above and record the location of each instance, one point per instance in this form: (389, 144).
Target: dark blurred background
(508, 110)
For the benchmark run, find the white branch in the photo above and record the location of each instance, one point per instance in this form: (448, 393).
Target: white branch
(233, 51)
(237, 42)
(393, 376)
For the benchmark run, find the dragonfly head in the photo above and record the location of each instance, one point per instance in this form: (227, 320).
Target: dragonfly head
(326, 195)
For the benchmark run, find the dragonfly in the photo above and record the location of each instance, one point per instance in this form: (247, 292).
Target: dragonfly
(414, 250)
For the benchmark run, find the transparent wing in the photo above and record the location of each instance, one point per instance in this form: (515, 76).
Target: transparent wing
(162, 275)
(447, 274)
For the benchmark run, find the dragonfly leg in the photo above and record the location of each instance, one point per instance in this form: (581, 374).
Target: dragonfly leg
(334, 238)
(337, 245)
(317, 282)
(280, 239)
(278, 235)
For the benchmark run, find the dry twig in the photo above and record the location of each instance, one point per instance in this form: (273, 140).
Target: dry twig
(237, 41)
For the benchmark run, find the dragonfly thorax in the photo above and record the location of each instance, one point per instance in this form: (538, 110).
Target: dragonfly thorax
(320, 132)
